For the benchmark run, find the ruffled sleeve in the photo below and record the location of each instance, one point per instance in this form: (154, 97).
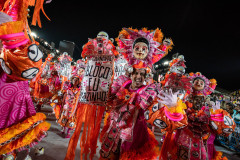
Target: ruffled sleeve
(166, 119)
(147, 95)
(222, 122)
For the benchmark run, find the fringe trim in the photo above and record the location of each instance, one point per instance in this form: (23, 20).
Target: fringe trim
(149, 150)
(30, 138)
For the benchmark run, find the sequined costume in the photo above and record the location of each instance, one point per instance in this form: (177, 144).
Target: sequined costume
(126, 131)
(190, 126)
(67, 116)
(125, 134)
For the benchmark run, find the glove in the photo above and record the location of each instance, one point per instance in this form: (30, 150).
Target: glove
(168, 98)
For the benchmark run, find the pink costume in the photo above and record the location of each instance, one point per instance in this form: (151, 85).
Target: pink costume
(190, 128)
(15, 101)
(20, 126)
(126, 124)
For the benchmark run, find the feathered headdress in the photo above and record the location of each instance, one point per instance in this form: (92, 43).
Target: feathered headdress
(127, 38)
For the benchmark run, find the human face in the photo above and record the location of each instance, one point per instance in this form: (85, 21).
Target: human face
(198, 102)
(166, 42)
(198, 84)
(80, 71)
(140, 50)
(75, 81)
(138, 77)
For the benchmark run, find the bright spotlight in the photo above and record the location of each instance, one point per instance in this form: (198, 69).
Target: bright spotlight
(165, 63)
(33, 34)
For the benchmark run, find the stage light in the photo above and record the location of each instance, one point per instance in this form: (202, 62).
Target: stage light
(33, 34)
(166, 63)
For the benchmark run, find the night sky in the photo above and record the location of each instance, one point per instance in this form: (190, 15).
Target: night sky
(207, 34)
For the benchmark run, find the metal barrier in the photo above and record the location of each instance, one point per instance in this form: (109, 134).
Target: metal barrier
(233, 140)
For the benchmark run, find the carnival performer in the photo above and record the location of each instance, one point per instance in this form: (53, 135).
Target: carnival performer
(91, 114)
(175, 79)
(70, 101)
(102, 38)
(125, 134)
(45, 85)
(56, 101)
(189, 128)
(21, 127)
(64, 67)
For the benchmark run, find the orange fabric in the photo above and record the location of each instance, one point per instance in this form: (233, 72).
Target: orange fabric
(28, 138)
(36, 92)
(57, 110)
(218, 156)
(36, 14)
(160, 115)
(221, 124)
(82, 140)
(17, 60)
(81, 111)
(88, 125)
(95, 133)
(88, 142)
(16, 129)
(11, 28)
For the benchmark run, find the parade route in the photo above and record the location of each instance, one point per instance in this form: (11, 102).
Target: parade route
(56, 146)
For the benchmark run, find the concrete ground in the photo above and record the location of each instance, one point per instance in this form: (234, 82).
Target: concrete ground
(56, 146)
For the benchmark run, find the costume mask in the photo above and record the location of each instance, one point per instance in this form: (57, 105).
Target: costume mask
(103, 34)
(166, 42)
(198, 84)
(140, 50)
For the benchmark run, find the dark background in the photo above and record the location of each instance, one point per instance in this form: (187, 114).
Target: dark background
(205, 32)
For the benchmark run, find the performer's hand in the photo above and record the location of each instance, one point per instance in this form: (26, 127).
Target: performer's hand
(216, 105)
(168, 98)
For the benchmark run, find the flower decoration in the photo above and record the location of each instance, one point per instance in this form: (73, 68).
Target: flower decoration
(124, 94)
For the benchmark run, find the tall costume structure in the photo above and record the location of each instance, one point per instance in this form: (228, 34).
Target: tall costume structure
(125, 133)
(90, 114)
(20, 126)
